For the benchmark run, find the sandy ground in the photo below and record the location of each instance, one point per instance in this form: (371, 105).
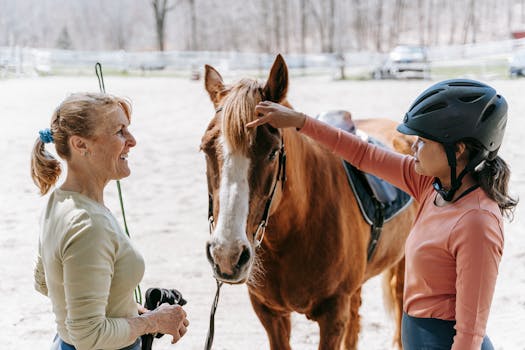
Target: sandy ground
(166, 203)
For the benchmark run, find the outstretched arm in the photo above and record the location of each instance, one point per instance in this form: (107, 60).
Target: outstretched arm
(278, 116)
(391, 166)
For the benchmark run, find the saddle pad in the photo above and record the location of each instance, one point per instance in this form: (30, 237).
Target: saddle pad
(397, 200)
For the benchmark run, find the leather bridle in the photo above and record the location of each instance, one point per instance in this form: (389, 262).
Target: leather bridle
(258, 235)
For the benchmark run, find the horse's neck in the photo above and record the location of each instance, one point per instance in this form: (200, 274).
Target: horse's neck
(302, 179)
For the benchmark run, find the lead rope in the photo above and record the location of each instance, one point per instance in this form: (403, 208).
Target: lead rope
(98, 71)
(211, 329)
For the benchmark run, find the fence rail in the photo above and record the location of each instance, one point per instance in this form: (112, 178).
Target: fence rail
(18, 61)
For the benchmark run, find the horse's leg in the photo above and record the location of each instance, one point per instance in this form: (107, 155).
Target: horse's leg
(333, 317)
(277, 325)
(354, 326)
(393, 284)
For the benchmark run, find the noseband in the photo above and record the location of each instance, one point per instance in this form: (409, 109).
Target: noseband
(258, 236)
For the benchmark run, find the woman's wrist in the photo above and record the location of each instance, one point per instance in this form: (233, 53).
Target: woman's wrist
(301, 120)
(143, 324)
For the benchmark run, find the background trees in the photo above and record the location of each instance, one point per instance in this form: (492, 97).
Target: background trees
(288, 26)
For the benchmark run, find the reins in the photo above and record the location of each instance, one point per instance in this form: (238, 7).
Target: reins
(258, 236)
(98, 71)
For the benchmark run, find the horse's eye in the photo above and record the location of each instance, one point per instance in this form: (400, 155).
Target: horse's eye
(272, 154)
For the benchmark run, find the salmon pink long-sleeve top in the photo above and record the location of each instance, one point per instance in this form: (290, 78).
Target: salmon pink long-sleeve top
(452, 252)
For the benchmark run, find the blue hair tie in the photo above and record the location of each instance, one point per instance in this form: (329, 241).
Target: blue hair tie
(46, 136)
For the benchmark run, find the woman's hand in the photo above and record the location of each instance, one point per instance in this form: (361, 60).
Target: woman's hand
(166, 319)
(171, 319)
(277, 116)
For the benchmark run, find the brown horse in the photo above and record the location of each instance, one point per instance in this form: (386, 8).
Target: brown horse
(313, 258)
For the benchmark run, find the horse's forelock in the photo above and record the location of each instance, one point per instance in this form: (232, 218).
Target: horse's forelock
(238, 110)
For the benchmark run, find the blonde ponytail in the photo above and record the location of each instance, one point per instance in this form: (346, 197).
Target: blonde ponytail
(45, 169)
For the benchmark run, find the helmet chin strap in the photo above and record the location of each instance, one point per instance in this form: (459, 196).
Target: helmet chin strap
(450, 150)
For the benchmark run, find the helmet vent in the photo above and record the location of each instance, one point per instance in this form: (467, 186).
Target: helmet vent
(471, 98)
(488, 112)
(424, 97)
(434, 107)
(466, 83)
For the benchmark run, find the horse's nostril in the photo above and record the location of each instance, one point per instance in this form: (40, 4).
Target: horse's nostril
(245, 256)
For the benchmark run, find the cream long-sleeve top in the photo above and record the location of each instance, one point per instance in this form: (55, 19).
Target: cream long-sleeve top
(452, 252)
(88, 268)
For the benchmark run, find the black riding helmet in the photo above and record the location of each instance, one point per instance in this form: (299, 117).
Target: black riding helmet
(456, 110)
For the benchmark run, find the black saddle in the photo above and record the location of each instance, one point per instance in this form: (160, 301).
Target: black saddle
(379, 201)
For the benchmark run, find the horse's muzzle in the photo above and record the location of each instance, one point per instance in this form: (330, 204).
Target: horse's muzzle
(229, 265)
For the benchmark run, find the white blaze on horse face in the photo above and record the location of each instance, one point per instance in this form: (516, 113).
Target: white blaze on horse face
(229, 238)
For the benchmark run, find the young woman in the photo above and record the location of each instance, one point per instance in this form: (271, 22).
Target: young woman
(455, 246)
(87, 265)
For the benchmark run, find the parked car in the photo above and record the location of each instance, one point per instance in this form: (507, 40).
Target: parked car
(404, 61)
(517, 64)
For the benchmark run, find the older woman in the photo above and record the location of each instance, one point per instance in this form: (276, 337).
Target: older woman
(87, 266)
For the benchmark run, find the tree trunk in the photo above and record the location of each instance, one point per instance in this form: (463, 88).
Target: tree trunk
(469, 21)
(359, 25)
(331, 27)
(160, 9)
(193, 25)
(421, 21)
(379, 19)
(302, 5)
(453, 22)
(397, 19)
(320, 25)
(286, 26)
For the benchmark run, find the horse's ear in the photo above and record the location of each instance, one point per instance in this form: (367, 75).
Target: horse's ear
(277, 84)
(213, 84)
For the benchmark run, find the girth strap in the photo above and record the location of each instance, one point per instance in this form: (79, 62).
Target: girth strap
(376, 229)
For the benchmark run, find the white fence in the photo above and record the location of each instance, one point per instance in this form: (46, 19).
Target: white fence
(17, 61)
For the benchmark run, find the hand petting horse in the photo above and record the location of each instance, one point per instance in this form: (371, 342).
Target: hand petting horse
(313, 257)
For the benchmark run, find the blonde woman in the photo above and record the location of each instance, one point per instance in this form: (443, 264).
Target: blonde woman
(87, 266)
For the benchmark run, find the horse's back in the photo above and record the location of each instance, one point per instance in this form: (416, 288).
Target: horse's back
(385, 131)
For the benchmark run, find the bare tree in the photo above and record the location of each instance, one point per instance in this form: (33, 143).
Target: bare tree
(160, 10)
(324, 17)
(397, 20)
(193, 26)
(260, 25)
(331, 26)
(470, 21)
(286, 25)
(276, 15)
(452, 32)
(303, 16)
(421, 21)
(359, 24)
(379, 26)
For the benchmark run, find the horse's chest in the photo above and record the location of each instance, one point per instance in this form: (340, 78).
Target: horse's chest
(291, 286)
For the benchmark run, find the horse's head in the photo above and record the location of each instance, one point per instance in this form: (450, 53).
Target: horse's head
(243, 168)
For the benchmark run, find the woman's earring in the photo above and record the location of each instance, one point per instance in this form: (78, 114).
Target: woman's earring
(85, 153)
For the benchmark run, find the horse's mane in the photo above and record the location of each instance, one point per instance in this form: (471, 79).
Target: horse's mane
(238, 110)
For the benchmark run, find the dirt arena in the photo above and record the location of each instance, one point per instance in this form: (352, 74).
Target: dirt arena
(166, 205)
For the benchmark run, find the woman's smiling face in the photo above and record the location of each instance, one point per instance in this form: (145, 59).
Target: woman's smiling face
(110, 145)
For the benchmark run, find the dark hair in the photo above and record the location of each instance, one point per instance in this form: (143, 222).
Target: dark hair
(75, 116)
(493, 177)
